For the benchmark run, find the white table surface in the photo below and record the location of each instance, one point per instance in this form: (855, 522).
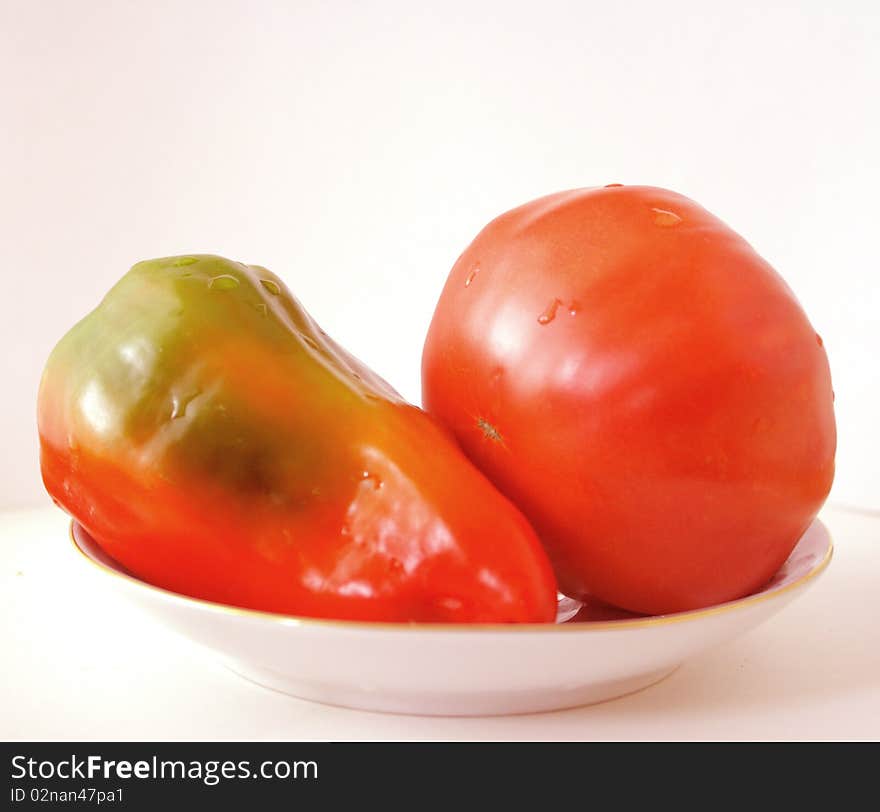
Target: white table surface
(79, 663)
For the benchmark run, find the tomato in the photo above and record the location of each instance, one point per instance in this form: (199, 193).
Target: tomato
(216, 442)
(644, 386)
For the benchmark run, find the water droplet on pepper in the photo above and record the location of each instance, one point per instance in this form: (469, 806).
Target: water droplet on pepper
(223, 282)
(366, 476)
(179, 404)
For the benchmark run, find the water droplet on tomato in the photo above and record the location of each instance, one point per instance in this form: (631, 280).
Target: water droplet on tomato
(612, 185)
(471, 276)
(273, 287)
(181, 261)
(223, 282)
(262, 309)
(549, 312)
(573, 309)
(819, 340)
(663, 217)
(310, 341)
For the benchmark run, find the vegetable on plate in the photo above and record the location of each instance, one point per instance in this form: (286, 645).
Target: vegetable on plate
(644, 386)
(217, 443)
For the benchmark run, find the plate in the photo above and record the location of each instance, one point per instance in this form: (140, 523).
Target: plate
(591, 654)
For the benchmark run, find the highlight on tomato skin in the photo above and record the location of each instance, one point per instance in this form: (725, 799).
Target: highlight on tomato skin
(644, 386)
(216, 442)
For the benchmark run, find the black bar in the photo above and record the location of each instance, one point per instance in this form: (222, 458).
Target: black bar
(257, 775)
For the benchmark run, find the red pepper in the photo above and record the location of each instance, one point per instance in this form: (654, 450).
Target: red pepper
(217, 443)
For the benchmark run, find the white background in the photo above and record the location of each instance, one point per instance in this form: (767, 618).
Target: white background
(356, 148)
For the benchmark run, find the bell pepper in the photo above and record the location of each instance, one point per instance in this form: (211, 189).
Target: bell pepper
(216, 442)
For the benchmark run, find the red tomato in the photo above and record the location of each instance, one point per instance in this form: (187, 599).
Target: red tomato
(644, 386)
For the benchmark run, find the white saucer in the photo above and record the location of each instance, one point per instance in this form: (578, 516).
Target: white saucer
(591, 654)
